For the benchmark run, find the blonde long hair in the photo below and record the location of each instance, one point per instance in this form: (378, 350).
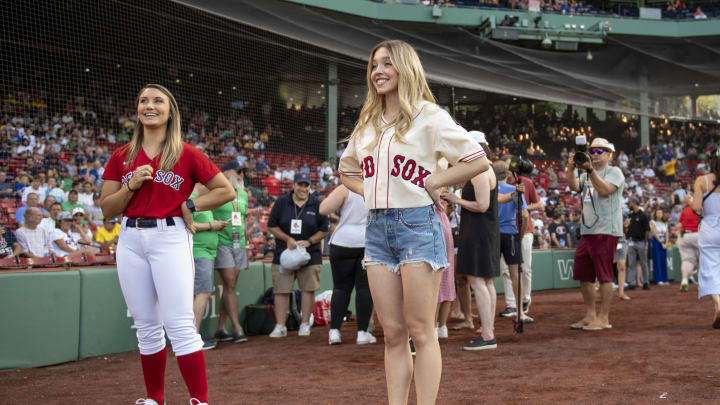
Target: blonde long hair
(172, 145)
(412, 88)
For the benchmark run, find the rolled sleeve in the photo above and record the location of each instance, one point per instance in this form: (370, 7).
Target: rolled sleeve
(349, 163)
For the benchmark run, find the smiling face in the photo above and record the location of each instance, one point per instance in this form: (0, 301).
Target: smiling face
(383, 74)
(301, 191)
(153, 108)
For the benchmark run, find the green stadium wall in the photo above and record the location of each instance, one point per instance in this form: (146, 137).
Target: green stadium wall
(55, 317)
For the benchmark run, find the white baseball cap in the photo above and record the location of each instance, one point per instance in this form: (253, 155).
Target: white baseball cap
(77, 210)
(478, 136)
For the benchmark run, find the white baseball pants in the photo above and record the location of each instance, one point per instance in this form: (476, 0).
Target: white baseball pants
(156, 272)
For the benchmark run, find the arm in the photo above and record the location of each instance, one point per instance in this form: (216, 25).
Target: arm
(572, 181)
(455, 175)
(17, 249)
(653, 231)
(279, 234)
(334, 201)
(62, 245)
(524, 222)
(481, 188)
(221, 191)
(696, 202)
(603, 187)
(316, 238)
(354, 184)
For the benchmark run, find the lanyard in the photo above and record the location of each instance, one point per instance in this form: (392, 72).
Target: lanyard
(236, 203)
(298, 215)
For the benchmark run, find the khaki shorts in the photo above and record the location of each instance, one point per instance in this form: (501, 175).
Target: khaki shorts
(688, 246)
(308, 278)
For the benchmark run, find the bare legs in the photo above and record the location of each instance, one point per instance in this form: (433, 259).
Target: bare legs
(486, 299)
(405, 306)
(621, 280)
(463, 296)
(595, 320)
(229, 300)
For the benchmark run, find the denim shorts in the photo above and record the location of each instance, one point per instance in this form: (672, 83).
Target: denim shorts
(397, 236)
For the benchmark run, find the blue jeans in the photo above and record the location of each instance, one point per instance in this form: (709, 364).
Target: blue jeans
(397, 236)
(659, 262)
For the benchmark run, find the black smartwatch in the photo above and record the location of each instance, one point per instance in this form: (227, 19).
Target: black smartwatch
(191, 205)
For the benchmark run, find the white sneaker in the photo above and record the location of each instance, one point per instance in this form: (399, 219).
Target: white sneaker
(365, 338)
(334, 337)
(146, 401)
(442, 332)
(279, 331)
(304, 329)
(194, 401)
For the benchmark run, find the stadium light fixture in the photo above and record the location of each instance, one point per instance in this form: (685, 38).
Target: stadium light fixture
(87, 70)
(589, 56)
(177, 80)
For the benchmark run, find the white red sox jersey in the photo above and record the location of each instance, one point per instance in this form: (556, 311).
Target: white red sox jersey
(394, 173)
(161, 197)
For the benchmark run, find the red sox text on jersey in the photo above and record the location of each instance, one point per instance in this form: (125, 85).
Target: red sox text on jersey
(167, 178)
(411, 171)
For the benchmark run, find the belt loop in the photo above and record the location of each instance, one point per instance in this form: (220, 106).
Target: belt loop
(123, 223)
(161, 224)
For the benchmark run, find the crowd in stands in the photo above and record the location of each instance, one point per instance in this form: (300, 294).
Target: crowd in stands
(674, 9)
(52, 166)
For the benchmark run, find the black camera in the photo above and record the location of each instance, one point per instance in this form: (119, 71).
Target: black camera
(581, 157)
(521, 166)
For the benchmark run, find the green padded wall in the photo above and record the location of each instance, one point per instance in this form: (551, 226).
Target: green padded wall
(105, 324)
(40, 318)
(562, 269)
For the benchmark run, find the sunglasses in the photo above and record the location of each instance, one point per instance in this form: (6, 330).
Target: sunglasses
(597, 151)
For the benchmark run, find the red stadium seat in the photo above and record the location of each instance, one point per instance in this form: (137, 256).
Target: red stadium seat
(46, 261)
(10, 263)
(100, 259)
(72, 260)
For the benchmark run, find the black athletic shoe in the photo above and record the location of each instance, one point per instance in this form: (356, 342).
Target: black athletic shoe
(646, 286)
(239, 337)
(209, 344)
(481, 344)
(223, 336)
(412, 347)
(630, 288)
(508, 312)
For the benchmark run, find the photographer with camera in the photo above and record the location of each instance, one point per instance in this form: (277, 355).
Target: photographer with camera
(600, 187)
(520, 170)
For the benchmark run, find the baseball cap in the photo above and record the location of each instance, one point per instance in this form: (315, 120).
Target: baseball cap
(478, 136)
(77, 210)
(63, 216)
(302, 178)
(233, 164)
(635, 200)
(602, 143)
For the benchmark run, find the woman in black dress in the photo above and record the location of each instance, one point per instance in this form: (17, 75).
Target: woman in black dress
(479, 245)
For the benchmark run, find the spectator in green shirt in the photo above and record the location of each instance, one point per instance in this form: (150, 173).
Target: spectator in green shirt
(72, 201)
(205, 243)
(231, 253)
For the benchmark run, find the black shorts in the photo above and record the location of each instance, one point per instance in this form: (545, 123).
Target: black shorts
(510, 248)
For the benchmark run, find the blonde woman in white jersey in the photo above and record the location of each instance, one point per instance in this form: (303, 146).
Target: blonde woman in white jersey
(391, 159)
(707, 200)
(347, 249)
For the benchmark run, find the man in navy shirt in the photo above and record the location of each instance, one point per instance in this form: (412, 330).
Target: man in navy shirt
(296, 222)
(510, 236)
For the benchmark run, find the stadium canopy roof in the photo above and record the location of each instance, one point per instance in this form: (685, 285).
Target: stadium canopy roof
(619, 72)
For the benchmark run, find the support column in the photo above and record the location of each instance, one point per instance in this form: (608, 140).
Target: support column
(332, 110)
(644, 110)
(693, 106)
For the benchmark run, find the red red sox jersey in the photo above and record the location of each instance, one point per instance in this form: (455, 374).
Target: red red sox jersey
(161, 197)
(394, 173)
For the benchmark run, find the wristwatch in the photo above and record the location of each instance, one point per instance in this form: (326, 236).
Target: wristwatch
(191, 205)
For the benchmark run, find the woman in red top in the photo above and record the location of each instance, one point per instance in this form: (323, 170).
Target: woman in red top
(688, 242)
(148, 182)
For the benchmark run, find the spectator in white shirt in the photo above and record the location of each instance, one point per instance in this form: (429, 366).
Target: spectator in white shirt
(86, 197)
(63, 243)
(34, 187)
(288, 173)
(48, 223)
(33, 239)
(648, 172)
(55, 191)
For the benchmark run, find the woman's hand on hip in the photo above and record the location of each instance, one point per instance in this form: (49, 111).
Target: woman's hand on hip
(187, 217)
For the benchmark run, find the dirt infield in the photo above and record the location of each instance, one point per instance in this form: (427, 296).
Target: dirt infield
(661, 350)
